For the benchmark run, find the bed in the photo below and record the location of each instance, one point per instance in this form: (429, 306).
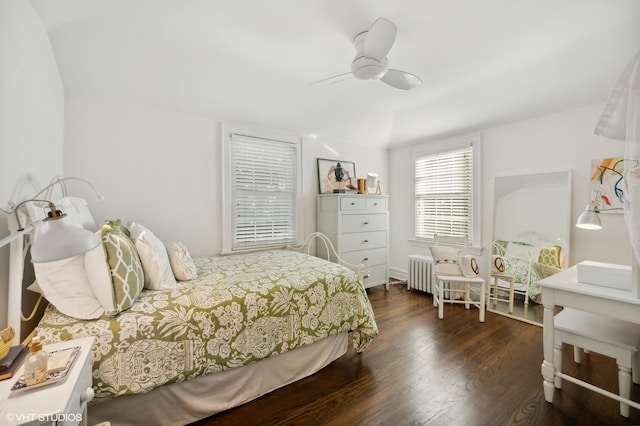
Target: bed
(529, 257)
(243, 325)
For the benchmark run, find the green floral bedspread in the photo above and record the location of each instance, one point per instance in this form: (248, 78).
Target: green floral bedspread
(240, 309)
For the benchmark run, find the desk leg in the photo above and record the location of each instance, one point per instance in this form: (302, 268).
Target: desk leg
(440, 299)
(547, 368)
(482, 300)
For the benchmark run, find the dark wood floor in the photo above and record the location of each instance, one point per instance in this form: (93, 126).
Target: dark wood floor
(422, 370)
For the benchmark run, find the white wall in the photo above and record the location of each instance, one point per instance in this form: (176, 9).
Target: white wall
(31, 117)
(563, 141)
(162, 168)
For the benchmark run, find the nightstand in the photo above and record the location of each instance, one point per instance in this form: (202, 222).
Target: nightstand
(63, 403)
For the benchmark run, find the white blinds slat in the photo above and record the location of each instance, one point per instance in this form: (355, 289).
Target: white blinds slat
(264, 191)
(444, 194)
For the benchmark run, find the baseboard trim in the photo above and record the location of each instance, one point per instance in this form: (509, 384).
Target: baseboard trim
(400, 274)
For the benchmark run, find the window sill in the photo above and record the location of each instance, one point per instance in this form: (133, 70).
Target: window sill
(424, 244)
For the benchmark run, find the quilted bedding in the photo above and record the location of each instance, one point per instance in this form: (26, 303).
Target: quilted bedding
(239, 309)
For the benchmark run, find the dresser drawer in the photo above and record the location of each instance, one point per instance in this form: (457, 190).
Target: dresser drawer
(375, 275)
(367, 257)
(352, 203)
(364, 222)
(362, 241)
(376, 204)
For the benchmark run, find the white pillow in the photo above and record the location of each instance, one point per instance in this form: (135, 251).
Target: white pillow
(64, 283)
(446, 260)
(158, 274)
(469, 265)
(77, 212)
(181, 261)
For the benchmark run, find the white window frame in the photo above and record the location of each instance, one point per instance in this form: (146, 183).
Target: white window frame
(254, 132)
(434, 148)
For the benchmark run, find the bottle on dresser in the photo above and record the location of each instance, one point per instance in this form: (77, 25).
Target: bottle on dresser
(35, 366)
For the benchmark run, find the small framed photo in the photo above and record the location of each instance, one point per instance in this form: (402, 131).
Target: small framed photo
(328, 179)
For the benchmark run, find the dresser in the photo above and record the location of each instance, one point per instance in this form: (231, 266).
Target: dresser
(358, 227)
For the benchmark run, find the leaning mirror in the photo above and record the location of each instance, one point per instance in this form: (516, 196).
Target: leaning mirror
(531, 230)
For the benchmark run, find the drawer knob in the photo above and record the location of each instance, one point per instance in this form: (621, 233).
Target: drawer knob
(366, 276)
(366, 223)
(86, 395)
(366, 258)
(375, 204)
(366, 241)
(353, 204)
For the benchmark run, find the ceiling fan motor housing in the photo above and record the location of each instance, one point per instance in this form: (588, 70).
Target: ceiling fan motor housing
(363, 67)
(369, 69)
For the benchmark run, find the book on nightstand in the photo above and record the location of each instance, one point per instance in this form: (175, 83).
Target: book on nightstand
(12, 362)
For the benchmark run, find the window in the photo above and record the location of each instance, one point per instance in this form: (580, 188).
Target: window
(262, 190)
(445, 191)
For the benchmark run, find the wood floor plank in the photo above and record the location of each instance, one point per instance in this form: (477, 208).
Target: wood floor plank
(424, 371)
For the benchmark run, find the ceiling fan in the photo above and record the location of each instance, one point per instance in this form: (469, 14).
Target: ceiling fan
(370, 62)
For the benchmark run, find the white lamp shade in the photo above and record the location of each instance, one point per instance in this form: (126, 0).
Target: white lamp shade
(589, 219)
(62, 241)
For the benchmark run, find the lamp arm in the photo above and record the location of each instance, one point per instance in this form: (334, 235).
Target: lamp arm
(52, 207)
(15, 235)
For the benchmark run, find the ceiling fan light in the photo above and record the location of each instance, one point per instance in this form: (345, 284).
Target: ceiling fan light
(369, 69)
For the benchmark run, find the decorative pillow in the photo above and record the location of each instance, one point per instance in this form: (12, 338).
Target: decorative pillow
(158, 274)
(181, 262)
(497, 264)
(543, 271)
(469, 266)
(124, 263)
(118, 226)
(446, 260)
(64, 283)
(551, 255)
(99, 274)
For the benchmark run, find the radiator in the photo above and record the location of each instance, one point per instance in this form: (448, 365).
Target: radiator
(420, 273)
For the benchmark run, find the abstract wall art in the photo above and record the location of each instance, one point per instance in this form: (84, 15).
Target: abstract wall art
(607, 184)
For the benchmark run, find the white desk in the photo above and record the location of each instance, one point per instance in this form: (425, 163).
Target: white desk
(563, 289)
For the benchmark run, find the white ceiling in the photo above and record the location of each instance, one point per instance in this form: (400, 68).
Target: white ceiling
(483, 62)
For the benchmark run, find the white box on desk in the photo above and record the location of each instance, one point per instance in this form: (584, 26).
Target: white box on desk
(605, 274)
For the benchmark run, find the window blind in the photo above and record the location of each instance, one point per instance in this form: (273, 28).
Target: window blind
(263, 191)
(444, 194)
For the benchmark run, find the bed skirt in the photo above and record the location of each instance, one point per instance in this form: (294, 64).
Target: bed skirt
(196, 399)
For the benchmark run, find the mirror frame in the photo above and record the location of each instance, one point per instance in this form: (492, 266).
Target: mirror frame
(535, 183)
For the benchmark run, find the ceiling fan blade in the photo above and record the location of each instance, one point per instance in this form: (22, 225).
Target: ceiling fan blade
(332, 80)
(401, 79)
(379, 39)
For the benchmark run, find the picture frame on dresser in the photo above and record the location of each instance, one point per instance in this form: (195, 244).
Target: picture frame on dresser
(327, 182)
